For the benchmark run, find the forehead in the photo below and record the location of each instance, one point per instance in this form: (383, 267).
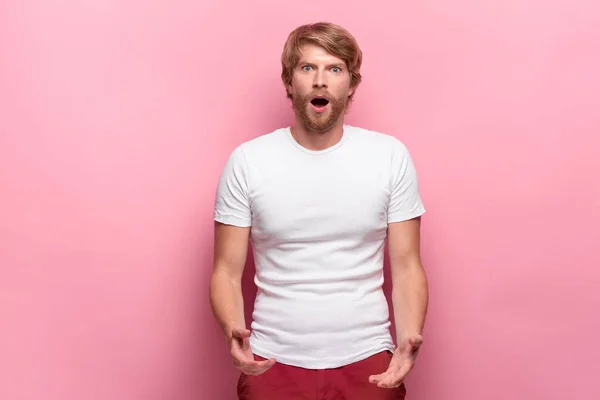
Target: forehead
(317, 54)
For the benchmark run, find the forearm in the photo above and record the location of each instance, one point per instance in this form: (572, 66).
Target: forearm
(227, 302)
(409, 300)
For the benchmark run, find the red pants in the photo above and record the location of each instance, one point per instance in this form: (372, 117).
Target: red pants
(350, 382)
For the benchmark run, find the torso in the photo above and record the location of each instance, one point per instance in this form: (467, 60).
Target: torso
(318, 230)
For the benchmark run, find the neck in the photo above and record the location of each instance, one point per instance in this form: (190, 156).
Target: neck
(317, 140)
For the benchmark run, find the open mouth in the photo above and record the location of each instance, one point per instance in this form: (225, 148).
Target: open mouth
(319, 102)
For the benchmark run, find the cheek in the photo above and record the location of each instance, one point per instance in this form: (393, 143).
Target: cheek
(341, 87)
(341, 93)
(301, 86)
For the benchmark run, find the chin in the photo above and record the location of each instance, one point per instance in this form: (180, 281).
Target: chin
(319, 128)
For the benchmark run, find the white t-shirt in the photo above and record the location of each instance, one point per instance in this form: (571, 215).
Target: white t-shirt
(318, 226)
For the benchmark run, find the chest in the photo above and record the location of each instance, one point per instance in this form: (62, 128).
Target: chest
(293, 205)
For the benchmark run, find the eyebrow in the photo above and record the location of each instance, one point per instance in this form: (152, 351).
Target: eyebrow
(338, 65)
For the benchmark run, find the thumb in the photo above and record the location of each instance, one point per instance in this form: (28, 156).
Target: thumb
(240, 333)
(414, 343)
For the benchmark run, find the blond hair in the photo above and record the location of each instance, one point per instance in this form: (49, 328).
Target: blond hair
(333, 38)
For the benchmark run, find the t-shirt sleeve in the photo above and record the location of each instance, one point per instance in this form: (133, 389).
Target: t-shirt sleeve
(405, 198)
(232, 203)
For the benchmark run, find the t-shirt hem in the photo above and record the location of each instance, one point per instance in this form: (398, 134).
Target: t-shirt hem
(232, 220)
(318, 364)
(399, 217)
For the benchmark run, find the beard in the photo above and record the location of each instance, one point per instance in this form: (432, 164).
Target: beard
(318, 122)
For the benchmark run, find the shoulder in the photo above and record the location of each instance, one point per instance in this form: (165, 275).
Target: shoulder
(381, 142)
(263, 143)
(256, 148)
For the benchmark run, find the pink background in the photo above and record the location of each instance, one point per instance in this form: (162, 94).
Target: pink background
(117, 116)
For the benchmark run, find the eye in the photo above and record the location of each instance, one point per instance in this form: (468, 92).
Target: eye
(306, 68)
(336, 69)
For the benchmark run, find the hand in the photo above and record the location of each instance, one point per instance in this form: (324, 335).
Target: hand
(401, 364)
(242, 355)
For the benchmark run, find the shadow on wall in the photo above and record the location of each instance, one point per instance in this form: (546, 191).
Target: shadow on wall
(249, 289)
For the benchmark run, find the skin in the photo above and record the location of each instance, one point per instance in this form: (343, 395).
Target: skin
(225, 292)
(319, 72)
(409, 300)
(323, 73)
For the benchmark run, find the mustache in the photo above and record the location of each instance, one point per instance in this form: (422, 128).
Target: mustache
(322, 94)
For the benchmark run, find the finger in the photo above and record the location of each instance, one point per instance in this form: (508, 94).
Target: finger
(417, 337)
(395, 379)
(413, 345)
(415, 350)
(237, 346)
(240, 337)
(245, 344)
(259, 367)
(378, 378)
(240, 333)
(390, 382)
(265, 363)
(416, 341)
(251, 363)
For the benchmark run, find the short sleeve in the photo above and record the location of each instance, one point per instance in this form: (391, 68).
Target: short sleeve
(405, 199)
(232, 204)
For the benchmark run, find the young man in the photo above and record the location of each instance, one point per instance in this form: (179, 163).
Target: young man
(318, 201)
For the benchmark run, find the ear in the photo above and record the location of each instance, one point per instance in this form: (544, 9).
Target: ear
(351, 91)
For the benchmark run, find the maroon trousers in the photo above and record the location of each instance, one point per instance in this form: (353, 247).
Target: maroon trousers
(350, 382)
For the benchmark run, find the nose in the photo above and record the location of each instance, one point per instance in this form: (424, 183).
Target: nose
(320, 80)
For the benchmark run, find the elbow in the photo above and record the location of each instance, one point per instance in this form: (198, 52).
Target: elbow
(223, 280)
(409, 272)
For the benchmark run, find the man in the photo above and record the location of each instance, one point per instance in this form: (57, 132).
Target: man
(318, 200)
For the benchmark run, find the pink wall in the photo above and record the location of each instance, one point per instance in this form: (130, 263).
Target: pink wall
(117, 116)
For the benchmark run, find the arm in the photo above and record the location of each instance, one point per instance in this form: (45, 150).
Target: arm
(227, 302)
(409, 282)
(409, 299)
(230, 250)
(233, 221)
